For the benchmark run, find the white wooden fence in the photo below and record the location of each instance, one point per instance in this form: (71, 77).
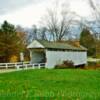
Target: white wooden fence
(21, 65)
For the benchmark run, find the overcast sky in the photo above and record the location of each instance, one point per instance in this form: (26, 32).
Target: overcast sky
(29, 12)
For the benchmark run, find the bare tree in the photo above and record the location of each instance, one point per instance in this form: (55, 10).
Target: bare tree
(34, 28)
(42, 34)
(57, 23)
(96, 11)
(22, 34)
(95, 8)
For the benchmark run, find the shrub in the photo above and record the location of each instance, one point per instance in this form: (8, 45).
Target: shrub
(66, 64)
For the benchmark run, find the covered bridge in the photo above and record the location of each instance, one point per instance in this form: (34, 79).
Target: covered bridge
(53, 53)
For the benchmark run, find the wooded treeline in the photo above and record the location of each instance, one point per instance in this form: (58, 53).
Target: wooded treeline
(55, 26)
(11, 42)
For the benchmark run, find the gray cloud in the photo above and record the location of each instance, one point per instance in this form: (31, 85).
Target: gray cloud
(7, 6)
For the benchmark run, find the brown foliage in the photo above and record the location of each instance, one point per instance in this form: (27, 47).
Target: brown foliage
(66, 64)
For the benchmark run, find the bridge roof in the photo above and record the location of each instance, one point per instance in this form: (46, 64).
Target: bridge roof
(55, 45)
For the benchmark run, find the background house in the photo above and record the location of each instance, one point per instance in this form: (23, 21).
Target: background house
(53, 53)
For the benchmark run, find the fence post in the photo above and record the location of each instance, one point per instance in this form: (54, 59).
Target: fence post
(6, 66)
(33, 66)
(39, 65)
(25, 66)
(17, 67)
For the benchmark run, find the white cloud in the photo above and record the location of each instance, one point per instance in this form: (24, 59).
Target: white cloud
(26, 16)
(7, 6)
(80, 7)
(31, 14)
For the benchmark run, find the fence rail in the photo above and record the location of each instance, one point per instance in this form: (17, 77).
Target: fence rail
(21, 65)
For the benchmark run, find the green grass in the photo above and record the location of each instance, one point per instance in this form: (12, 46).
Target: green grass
(50, 85)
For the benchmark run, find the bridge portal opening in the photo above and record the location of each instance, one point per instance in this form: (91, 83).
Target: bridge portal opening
(38, 56)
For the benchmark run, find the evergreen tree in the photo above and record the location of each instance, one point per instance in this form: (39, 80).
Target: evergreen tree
(88, 41)
(9, 41)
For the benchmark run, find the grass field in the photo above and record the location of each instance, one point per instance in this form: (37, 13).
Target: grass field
(50, 85)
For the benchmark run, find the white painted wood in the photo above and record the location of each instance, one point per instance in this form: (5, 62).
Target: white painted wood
(6, 66)
(24, 65)
(35, 44)
(57, 57)
(17, 67)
